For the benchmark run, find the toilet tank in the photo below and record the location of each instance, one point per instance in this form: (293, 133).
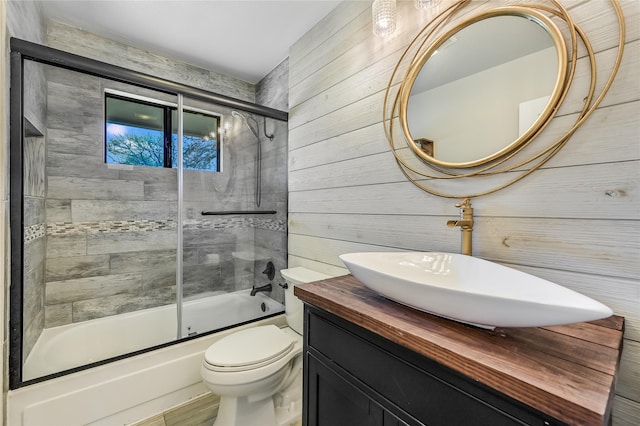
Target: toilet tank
(293, 305)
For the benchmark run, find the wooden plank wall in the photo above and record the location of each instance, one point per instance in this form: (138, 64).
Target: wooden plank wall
(575, 222)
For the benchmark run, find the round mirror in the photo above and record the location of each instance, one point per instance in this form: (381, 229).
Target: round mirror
(483, 88)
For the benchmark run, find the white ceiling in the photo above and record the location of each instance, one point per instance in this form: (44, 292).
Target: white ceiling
(245, 39)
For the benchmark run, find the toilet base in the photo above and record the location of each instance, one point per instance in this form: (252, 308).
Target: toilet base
(277, 411)
(288, 404)
(282, 409)
(240, 411)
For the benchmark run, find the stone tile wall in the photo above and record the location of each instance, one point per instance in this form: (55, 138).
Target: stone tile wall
(273, 91)
(111, 231)
(34, 147)
(25, 20)
(111, 244)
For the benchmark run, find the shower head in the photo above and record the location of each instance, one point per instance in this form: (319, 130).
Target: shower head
(243, 118)
(236, 114)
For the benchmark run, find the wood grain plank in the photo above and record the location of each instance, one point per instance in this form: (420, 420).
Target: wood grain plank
(61, 36)
(624, 89)
(629, 375)
(320, 253)
(544, 243)
(625, 411)
(613, 322)
(333, 46)
(591, 192)
(623, 118)
(583, 351)
(345, 109)
(331, 24)
(607, 331)
(61, 187)
(599, 22)
(593, 179)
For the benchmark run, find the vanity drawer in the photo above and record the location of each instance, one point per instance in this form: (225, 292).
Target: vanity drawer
(415, 388)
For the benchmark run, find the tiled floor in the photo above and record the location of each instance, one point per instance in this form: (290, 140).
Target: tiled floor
(200, 411)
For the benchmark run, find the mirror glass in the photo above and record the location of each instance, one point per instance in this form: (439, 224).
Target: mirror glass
(484, 87)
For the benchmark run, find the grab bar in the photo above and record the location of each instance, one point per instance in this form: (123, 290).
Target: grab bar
(232, 212)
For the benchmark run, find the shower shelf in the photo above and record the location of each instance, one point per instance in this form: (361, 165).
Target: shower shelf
(232, 212)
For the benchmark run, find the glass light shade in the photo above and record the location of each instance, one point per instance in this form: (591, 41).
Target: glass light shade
(426, 4)
(384, 17)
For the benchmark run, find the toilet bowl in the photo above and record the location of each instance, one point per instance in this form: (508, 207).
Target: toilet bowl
(257, 372)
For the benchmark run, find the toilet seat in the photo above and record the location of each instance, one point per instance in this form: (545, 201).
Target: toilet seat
(248, 349)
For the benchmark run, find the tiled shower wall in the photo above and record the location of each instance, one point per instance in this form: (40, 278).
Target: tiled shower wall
(111, 232)
(34, 204)
(26, 20)
(273, 91)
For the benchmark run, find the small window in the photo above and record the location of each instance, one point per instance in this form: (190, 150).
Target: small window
(199, 141)
(141, 133)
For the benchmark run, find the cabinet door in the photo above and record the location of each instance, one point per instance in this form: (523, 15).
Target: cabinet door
(388, 419)
(333, 401)
(416, 389)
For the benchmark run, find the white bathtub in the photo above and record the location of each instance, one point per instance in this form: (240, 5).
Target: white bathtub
(127, 390)
(73, 345)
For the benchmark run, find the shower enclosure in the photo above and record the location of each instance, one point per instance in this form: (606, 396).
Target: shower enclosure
(143, 212)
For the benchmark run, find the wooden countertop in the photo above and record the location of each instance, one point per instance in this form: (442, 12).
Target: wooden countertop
(566, 371)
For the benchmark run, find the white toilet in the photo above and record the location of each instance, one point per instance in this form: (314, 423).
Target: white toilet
(257, 372)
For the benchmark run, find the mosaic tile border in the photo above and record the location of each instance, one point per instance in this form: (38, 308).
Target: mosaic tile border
(249, 222)
(39, 230)
(109, 226)
(34, 232)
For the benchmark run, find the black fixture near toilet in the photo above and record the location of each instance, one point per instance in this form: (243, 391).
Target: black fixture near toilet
(263, 288)
(270, 271)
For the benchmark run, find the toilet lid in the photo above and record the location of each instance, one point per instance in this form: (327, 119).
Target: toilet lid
(250, 348)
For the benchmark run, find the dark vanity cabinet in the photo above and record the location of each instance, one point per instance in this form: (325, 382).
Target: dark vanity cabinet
(338, 400)
(354, 377)
(369, 361)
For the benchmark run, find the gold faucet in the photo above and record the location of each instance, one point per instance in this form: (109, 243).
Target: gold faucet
(465, 223)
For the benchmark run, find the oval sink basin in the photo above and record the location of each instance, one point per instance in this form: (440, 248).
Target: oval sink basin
(471, 290)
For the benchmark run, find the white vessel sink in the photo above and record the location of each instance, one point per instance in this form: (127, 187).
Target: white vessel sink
(471, 290)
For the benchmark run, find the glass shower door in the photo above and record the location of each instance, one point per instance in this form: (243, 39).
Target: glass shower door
(136, 216)
(222, 261)
(100, 228)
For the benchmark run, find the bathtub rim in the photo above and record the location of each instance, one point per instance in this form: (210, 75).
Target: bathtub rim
(126, 355)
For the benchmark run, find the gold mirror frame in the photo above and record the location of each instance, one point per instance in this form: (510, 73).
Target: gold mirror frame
(415, 69)
(513, 163)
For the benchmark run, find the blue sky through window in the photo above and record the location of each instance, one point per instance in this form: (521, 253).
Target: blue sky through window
(134, 145)
(135, 133)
